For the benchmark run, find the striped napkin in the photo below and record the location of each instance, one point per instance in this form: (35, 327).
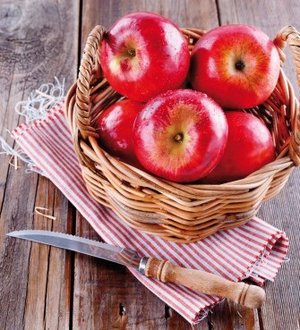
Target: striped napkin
(255, 250)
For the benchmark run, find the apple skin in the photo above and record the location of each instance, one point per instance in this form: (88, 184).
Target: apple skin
(249, 147)
(116, 129)
(143, 55)
(180, 135)
(237, 65)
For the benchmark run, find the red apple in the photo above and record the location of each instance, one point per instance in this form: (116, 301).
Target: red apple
(143, 55)
(180, 135)
(249, 147)
(236, 65)
(116, 129)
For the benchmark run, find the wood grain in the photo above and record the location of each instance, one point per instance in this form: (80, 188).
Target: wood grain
(228, 315)
(16, 214)
(49, 293)
(37, 42)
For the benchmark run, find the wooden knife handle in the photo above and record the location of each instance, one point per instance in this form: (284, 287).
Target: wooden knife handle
(248, 295)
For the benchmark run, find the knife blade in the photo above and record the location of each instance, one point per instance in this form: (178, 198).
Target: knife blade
(122, 256)
(248, 295)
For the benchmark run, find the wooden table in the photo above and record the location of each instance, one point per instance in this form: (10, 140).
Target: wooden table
(47, 288)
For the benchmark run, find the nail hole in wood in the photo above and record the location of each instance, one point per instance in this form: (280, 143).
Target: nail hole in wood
(122, 310)
(168, 312)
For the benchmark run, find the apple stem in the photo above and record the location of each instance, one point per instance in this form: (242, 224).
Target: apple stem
(131, 52)
(178, 137)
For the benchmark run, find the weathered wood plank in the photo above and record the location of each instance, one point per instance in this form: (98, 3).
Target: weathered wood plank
(16, 214)
(49, 294)
(227, 315)
(38, 41)
(282, 308)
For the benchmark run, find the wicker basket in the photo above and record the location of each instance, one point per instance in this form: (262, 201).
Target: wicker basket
(179, 212)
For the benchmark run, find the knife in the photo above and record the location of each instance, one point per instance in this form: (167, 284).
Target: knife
(244, 294)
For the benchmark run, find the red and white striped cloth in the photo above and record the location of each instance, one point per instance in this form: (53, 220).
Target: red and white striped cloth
(255, 250)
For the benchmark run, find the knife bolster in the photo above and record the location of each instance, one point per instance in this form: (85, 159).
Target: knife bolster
(142, 265)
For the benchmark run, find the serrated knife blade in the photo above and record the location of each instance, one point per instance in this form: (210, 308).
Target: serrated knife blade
(86, 246)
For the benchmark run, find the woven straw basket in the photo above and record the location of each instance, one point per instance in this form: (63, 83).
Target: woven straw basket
(180, 212)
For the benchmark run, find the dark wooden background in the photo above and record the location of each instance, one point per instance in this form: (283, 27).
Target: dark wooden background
(46, 288)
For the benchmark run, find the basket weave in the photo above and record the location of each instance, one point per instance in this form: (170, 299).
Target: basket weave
(180, 212)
